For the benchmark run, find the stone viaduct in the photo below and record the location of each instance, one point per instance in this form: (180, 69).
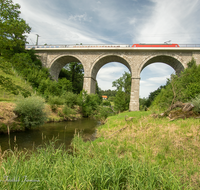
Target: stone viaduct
(135, 59)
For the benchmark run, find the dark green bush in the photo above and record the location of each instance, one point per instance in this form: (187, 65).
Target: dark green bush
(70, 99)
(196, 103)
(67, 111)
(102, 113)
(120, 103)
(31, 111)
(54, 101)
(88, 103)
(106, 103)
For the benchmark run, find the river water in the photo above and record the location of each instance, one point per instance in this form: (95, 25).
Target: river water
(62, 131)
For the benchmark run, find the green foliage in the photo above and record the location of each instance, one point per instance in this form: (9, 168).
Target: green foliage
(196, 103)
(54, 101)
(74, 73)
(109, 93)
(122, 99)
(70, 99)
(67, 111)
(6, 66)
(191, 63)
(182, 87)
(88, 103)
(106, 103)
(92, 165)
(8, 85)
(143, 104)
(120, 102)
(31, 111)
(102, 113)
(13, 28)
(30, 68)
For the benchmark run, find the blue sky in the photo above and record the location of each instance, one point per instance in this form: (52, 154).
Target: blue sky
(115, 22)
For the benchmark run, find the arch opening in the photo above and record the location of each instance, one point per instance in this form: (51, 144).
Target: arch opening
(154, 76)
(171, 61)
(108, 73)
(70, 68)
(59, 63)
(155, 71)
(108, 59)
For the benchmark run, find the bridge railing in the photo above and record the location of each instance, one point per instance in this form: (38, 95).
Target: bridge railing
(77, 46)
(101, 46)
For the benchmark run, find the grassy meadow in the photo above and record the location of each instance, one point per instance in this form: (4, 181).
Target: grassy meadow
(145, 153)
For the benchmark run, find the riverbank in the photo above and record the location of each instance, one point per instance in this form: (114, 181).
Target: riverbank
(9, 121)
(172, 145)
(137, 153)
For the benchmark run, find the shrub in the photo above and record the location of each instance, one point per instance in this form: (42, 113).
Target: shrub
(88, 102)
(54, 101)
(31, 111)
(67, 111)
(70, 99)
(106, 103)
(196, 103)
(102, 113)
(120, 103)
(183, 87)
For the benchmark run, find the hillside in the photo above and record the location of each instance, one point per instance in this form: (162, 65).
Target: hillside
(11, 85)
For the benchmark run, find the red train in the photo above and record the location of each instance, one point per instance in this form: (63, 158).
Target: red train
(155, 45)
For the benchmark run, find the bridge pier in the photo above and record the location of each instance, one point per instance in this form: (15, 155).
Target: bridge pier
(134, 99)
(89, 84)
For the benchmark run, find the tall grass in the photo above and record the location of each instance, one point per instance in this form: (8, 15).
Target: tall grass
(85, 166)
(147, 154)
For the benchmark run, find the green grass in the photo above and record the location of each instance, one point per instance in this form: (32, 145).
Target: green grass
(8, 96)
(86, 166)
(173, 146)
(147, 154)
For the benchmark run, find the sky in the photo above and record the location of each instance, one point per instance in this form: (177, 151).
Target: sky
(115, 22)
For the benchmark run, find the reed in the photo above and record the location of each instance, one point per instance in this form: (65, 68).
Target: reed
(147, 154)
(84, 166)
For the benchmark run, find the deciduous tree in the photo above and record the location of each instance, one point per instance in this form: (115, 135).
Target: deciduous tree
(12, 29)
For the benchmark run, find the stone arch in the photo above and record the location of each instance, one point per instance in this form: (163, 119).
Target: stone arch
(173, 61)
(104, 59)
(59, 62)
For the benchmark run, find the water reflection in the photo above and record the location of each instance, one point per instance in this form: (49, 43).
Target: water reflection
(64, 131)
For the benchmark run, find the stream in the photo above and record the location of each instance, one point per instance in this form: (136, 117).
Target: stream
(63, 132)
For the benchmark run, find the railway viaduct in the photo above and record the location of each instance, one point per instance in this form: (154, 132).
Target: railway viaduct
(135, 59)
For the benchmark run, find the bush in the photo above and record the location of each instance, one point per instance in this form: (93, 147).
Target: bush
(120, 103)
(67, 111)
(54, 101)
(70, 99)
(31, 111)
(102, 113)
(88, 103)
(106, 103)
(183, 87)
(196, 103)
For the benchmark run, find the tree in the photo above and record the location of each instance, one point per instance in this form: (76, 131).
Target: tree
(120, 102)
(12, 29)
(74, 73)
(123, 85)
(182, 88)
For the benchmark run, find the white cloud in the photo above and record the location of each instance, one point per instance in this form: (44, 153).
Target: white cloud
(80, 18)
(170, 20)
